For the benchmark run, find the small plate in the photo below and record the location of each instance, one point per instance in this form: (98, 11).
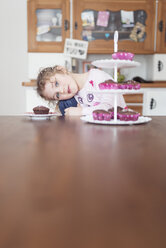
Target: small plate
(111, 63)
(141, 120)
(40, 117)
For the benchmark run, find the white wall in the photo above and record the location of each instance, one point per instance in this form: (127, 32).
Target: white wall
(13, 56)
(16, 65)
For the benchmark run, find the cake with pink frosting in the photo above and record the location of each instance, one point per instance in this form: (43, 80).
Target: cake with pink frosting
(123, 55)
(111, 110)
(100, 115)
(129, 85)
(41, 110)
(123, 114)
(112, 85)
(128, 115)
(108, 85)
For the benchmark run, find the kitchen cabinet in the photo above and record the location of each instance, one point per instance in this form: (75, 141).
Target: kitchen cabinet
(150, 102)
(161, 27)
(155, 102)
(96, 22)
(135, 102)
(48, 25)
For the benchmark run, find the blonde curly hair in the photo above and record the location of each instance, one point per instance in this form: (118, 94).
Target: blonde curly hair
(43, 76)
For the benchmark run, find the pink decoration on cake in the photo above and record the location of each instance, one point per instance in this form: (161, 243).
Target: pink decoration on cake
(129, 85)
(103, 17)
(102, 115)
(128, 115)
(111, 110)
(108, 84)
(96, 103)
(123, 55)
(91, 82)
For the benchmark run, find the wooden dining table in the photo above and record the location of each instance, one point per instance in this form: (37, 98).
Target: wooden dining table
(67, 183)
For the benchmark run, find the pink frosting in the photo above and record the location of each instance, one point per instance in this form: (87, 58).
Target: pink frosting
(123, 55)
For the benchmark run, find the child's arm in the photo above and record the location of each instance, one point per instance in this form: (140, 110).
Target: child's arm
(64, 104)
(74, 110)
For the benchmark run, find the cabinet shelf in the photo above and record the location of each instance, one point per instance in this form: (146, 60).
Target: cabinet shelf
(107, 31)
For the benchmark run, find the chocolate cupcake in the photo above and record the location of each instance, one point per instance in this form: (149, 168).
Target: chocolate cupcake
(130, 85)
(100, 115)
(111, 110)
(41, 110)
(128, 115)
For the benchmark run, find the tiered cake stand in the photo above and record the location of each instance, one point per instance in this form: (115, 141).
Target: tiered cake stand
(116, 64)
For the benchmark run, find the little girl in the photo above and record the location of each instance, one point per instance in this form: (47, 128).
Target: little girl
(77, 91)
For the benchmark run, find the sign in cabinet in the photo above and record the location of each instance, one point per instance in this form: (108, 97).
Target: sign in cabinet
(48, 25)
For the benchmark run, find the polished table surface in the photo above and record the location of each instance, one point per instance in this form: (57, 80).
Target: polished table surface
(65, 183)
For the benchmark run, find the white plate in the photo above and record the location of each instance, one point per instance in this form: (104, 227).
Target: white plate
(111, 63)
(141, 120)
(40, 117)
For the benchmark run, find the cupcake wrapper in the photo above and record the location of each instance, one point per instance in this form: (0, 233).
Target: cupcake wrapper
(121, 117)
(101, 87)
(102, 116)
(129, 86)
(123, 55)
(128, 117)
(122, 87)
(106, 86)
(137, 86)
(115, 86)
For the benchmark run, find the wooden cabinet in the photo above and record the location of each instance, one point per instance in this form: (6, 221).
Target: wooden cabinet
(48, 25)
(96, 21)
(141, 25)
(161, 27)
(135, 102)
(155, 101)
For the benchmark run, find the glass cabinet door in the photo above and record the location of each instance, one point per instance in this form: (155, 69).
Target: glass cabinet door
(48, 25)
(134, 21)
(161, 27)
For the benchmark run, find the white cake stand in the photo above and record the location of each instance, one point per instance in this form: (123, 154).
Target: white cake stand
(115, 64)
(112, 63)
(141, 120)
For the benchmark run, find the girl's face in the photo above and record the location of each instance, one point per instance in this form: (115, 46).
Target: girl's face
(60, 87)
